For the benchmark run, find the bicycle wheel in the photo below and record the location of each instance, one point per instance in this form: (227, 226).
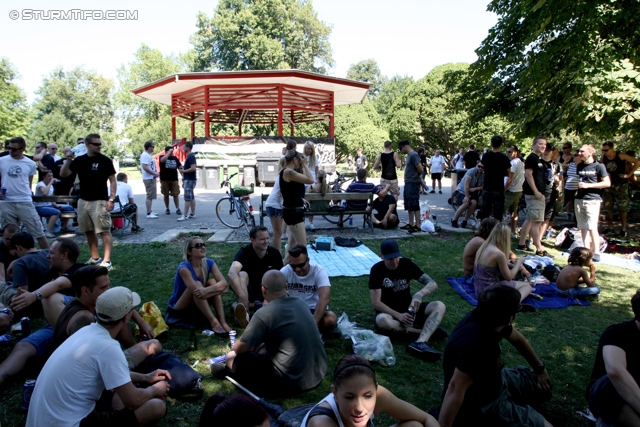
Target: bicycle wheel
(227, 213)
(249, 220)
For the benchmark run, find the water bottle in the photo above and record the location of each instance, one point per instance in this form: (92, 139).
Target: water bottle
(25, 323)
(411, 312)
(218, 359)
(232, 338)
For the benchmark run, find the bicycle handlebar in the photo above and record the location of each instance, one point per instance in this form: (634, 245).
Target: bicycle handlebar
(226, 181)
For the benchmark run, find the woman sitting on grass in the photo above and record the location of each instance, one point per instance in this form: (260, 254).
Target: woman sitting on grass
(193, 291)
(492, 263)
(574, 275)
(356, 397)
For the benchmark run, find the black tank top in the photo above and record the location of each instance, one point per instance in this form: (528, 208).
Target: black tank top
(292, 193)
(616, 167)
(388, 166)
(60, 330)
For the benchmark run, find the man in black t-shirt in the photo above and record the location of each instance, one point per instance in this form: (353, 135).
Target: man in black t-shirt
(385, 215)
(94, 169)
(247, 269)
(169, 186)
(44, 160)
(496, 167)
(613, 391)
(478, 389)
(472, 157)
(396, 310)
(535, 179)
(593, 178)
(65, 184)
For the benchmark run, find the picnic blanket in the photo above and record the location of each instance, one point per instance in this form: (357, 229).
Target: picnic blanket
(551, 297)
(351, 262)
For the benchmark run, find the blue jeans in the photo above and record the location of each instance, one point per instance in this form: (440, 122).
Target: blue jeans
(580, 291)
(49, 211)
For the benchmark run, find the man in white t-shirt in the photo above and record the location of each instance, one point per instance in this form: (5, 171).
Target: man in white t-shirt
(437, 163)
(125, 195)
(149, 177)
(94, 368)
(457, 162)
(513, 186)
(310, 282)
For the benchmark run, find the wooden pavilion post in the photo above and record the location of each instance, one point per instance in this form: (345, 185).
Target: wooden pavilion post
(207, 129)
(280, 112)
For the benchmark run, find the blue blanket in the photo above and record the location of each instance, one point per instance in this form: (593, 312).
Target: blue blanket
(548, 292)
(344, 261)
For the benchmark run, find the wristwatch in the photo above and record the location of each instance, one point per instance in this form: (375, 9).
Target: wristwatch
(538, 369)
(112, 200)
(38, 295)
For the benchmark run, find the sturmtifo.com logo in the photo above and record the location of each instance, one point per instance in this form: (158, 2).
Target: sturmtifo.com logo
(74, 15)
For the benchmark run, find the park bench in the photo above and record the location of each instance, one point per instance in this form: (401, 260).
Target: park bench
(60, 200)
(335, 197)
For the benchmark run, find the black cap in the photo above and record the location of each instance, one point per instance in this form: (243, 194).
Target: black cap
(402, 143)
(389, 249)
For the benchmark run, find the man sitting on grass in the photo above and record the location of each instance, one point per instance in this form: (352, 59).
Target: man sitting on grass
(613, 391)
(396, 310)
(478, 389)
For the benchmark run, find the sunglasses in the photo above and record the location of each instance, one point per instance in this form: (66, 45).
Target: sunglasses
(95, 144)
(14, 149)
(301, 265)
(604, 151)
(198, 246)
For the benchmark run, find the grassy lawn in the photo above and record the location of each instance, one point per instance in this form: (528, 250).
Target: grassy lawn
(565, 339)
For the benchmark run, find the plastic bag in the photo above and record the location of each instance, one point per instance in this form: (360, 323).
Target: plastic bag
(425, 210)
(427, 226)
(151, 314)
(366, 343)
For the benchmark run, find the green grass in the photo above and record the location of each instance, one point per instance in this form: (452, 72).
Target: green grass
(565, 339)
(133, 173)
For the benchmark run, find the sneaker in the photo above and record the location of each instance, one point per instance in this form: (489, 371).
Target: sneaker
(608, 231)
(178, 212)
(168, 212)
(136, 229)
(623, 233)
(544, 253)
(406, 227)
(463, 224)
(422, 350)
(93, 261)
(152, 215)
(242, 315)
(50, 235)
(182, 218)
(440, 191)
(454, 223)
(191, 216)
(106, 264)
(312, 227)
(523, 248)
(432, 191)
(415, 229)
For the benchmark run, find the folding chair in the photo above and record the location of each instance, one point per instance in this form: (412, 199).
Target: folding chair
(126, 212)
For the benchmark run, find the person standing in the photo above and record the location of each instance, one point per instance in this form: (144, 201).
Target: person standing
(593, 177)
(457, 162)
(513, 187)
(169, 185)
(436, 163)
(471, 158)
(535, 175)
(496, 167)
(189, 178)
(149, 176)
(94, 169)
(53, 151)
(388, 162)
(361, 160)
(64, 185)
(44, 160)
(16, 174)
(618, 193)
(412, 182)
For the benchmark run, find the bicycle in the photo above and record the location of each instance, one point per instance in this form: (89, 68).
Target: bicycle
(235, 209)
(336, 187)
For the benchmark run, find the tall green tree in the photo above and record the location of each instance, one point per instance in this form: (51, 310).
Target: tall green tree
(367, 71)
(358, 126)
(430, 113)
(390, 91)
(552, 66)
(14, 111)
(81, 97)
(262, 35)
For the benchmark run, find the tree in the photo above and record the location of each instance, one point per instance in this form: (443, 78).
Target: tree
(391, 90)
(367, 71)
(358, 126)
(262, 35)
(556, 66)
(429, 113)
(14, 111)
(81, 97)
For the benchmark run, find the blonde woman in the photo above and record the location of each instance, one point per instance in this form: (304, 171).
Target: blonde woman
(492, 264)
(193, 289)
(319, 187)
(309, 150)
(292, 181)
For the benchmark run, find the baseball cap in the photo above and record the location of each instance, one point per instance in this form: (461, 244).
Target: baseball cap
(167, 148)
(115, 303)
(389, 249)
(402, 143)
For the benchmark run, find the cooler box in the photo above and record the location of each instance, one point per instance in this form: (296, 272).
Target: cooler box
(325, 243)
(118, 222)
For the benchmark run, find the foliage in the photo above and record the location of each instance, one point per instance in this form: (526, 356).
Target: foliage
(554, 66)
(358, 125)
(82, 97)
(367, 71)
(55, 127)
(262, 35)
(390, 91)
(14, 111)
(430, 113)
